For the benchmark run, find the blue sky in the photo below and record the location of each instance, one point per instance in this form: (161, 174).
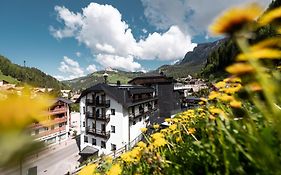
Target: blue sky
(71, 38)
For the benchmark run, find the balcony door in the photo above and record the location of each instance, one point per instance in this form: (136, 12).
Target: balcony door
(97, 99)
(97, 113)
(103, 112)
(103, 128)
(103, 98)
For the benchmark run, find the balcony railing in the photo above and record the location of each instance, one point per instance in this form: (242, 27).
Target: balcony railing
(90, 102)
(58, 111)
(141, 113)
(47, 123)
(100, 103)
(49, 132)
(90, 115)
(98, 133)
(102, 117)
(103, 103)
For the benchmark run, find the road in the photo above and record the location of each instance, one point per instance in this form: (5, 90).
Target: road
(55, 162)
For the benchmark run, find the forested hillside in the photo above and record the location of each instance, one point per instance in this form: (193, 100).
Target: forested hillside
(31, 76)
(97, 77)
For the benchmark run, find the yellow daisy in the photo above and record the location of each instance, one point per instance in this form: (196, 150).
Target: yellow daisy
(260, 54)
(235, 19)
(235, 104)
(240, 68)
(270, 16)
(268, 43)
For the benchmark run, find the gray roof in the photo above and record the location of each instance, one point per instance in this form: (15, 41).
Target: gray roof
(65, 100)
(120, 93)
(88, 150)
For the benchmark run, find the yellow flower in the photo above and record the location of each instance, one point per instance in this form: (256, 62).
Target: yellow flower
(260, 54)
(143, 130)
(220, 84)
(235, 19)
(159, 142)
(215, 110)
(233, 80)
(213, 95)
(126, 157)
(203, 99)
(178, 139)
(173, 127)
(157, 135)
(268, 43)
(141, 144)
(225, 97)
(168, 120)
(89, 169)
(240, 68)
(20, 110)
(235, 104)
(255, 87)
(270, 16)
(191, 130)
(156, 126)
(114, 170)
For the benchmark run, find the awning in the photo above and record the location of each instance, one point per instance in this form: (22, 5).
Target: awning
(88, 150)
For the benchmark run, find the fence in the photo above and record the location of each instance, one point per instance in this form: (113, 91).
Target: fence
(114, 154)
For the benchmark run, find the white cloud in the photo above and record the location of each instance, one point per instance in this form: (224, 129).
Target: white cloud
(192, 16)
(91, 68)
(114, 61)
(70, 68)
(59, 77)
(102, 30)
(78, 54)
(170, 45)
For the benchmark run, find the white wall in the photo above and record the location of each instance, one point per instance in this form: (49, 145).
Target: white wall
(121, 122)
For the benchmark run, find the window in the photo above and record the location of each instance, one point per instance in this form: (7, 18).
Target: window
(140, 119)
(112, 111)
(112, 129)
(134, 122)
(83, 124)
(46, 128)
(113, 147)
(60, 124)
(103, 144)
(94, 141)
(36, 131)
(84, 110)
(86, 139)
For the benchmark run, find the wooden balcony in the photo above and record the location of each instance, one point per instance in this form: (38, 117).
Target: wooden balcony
(48, 123)
(58, 111)
(49, 132)
(98, 133)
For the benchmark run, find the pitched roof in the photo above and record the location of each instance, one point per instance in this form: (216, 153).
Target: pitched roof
(120, 93)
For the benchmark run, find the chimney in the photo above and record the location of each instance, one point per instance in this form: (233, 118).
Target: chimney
(118, 83)
(105, 75)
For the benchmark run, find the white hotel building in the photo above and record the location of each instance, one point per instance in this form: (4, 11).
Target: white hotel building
(112, 115)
